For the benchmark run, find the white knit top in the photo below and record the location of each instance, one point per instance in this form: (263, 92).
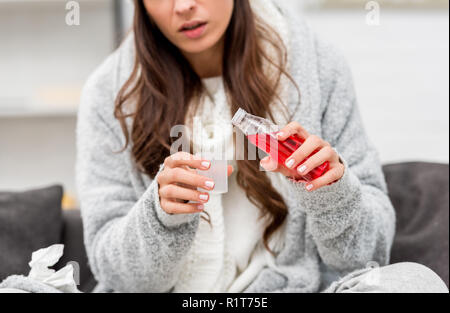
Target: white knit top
(228, 252)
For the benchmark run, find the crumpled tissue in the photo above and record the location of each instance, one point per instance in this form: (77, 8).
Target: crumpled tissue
(42, 259)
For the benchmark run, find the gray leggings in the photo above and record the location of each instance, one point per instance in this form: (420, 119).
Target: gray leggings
(395, 278)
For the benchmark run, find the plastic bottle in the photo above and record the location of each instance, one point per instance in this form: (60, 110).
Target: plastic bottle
(263, 134)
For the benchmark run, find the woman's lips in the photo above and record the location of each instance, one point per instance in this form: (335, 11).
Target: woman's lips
(195, 32)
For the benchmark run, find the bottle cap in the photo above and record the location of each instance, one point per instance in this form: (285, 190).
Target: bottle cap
(238, 117)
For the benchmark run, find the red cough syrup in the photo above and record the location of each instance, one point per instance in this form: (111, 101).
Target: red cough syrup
(282, 150)
(262, 133)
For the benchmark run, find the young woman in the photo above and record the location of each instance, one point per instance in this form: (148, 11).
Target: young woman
(148, 228)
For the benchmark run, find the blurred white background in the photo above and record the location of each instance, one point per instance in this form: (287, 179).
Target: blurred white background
(400, 71)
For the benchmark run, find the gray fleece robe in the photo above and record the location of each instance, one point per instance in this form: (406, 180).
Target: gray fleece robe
(134, 246)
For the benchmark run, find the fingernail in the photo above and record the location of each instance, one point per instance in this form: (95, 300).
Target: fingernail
(280, 134)
(309, 187)
(265, 159)
(302, 168)
(290, 163)
(263, 165)
(206, 164)
(201, 207)
(209, 184)
(203, 197)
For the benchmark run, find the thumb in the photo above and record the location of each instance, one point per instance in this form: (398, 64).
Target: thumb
(269, 164)
(230, 170)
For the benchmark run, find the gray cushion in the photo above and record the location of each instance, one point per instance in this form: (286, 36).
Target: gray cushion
(29, 221)
(420, 194)
(74, 250)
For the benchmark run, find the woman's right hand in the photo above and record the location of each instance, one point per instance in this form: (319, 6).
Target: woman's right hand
(178, 183)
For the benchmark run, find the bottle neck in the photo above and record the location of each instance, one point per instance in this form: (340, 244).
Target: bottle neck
(250, 124)
(253, 126)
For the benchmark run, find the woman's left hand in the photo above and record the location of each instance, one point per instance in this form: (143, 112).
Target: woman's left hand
(311, 144)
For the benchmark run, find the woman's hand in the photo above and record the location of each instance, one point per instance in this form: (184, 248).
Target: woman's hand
(312, 143)
(178, 183)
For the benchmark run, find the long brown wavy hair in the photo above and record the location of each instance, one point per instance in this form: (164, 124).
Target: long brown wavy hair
(163, 83)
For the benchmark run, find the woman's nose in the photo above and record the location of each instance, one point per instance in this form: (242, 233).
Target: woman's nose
(184, 6)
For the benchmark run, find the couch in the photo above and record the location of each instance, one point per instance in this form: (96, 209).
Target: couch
(419, 192)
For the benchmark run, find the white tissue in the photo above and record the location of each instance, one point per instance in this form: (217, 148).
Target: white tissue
(42, 259)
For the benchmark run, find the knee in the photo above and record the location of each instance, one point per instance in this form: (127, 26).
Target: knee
(413, 277)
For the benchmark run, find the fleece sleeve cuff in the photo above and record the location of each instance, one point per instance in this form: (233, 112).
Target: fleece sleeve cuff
(330, 197)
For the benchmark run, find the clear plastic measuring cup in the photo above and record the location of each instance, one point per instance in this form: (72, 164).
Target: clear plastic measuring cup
(218, 172)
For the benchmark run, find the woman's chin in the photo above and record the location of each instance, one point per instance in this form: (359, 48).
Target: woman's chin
(196, 46)
(192, 50)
